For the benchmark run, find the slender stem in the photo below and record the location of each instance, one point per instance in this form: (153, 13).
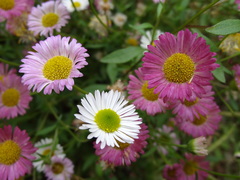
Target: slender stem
(197, 14)
(229, 57)
(221, 140)
(75, 9)
(230, 114)
(9, 62)
(96, 14)
(219, 174)
(80, 89)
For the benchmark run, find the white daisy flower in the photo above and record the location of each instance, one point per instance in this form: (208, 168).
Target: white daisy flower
(147, 39)
(44, 148)
(109, 118)
(80, 5)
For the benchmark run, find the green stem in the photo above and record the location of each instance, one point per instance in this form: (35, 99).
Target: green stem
(9, 62)
(197, 14)
(229, 57)
(80, 89)
(230, 114)
(219, 174)
(75, 9)
(222, 139)
(96, 14)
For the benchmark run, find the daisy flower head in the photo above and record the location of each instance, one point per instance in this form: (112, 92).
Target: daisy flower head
(236, 69)
(15, 153)
(203, 125)
(53, 66)
(45, 147)
(49, 16)
(80, 5)
(59, 169)
(109, 118)
(104, 6)
(190, 170)
(14, 97)
(126, 153)
(146, 39)
(231, 44)
(189, 109)
(172, 172)
(143, 97)
(11, 8)
(5, 72)
(119, 19)
(179, 67)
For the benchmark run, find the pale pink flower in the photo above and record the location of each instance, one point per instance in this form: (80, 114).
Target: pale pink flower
(236, 69)
(4, 71)
(15, 153)
(172, 172)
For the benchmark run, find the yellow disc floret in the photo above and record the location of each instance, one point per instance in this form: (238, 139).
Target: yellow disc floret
(58, 67)
(10, 97)
(107, 120)
(179, 68)
(7, 4)
(10, 152)
(199, 121)
(50, 19)
(57, 168)
(77, 4)
(190, 167)
(190, 103)
(148, 92)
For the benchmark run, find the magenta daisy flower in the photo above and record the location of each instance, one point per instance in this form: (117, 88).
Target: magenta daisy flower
(53, 66)
(14, 97)
(15, 153)
(205, 125)
(236, 69)
(126, 153)
(179, 67)
(4, 71)
(143, 97)
(172, 172)
(59, 169)
(191, 109)
(11, 8)
(49, 16)
(190, 169)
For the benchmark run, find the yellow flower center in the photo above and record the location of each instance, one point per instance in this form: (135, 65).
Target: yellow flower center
(122, 146)
(1, 78)
(190, 167)
(10, 97)
(57, 168)
(77, 4)
(107, 120)
(179, 68)
(199, 121)
(50, 19)
(190, 103)
(132, 41)
(9, 152)
(148, 92)
(7, 4)
(58, 67)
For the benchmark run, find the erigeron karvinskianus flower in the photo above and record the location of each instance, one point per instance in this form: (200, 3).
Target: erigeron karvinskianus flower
(109, 118)
(5, 72)
(80, 5)
(198, 146)
(126, 153)
(119, 19)
(53, 65)
(146, 39)
(172, 172)
(236, 69)
(231, 44)
(47, 17)
(143, 97)
(179, 67)
(45, 147)
(14, 97)
(15, 153)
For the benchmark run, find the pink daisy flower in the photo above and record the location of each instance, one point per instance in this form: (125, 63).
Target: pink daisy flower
(49, 16)
(198, 106)
(53, 66)
(157, 1)
(15, 97)
(126, 153)
(236, 69)
(59, 169)
(202, 126)
(179, 67)
(143, 97)
(190, 170)
(172, 172)
(238, 3)
(11, 8)
(4, 71)
(15, 153)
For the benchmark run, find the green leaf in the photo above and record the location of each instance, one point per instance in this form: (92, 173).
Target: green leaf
(159, 9)
(112, 71)
(141, 28)
(46, 130)
(122, 55)
(225, 27)
(219, 74)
